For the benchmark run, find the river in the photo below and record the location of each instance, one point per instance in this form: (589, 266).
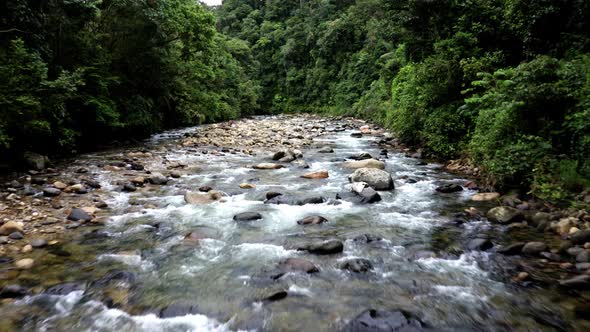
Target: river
(138, 272)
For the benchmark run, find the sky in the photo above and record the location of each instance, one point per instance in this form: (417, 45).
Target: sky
(212, 2)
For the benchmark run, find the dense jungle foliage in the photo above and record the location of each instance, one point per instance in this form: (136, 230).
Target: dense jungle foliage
(76, 73)
(504, 84)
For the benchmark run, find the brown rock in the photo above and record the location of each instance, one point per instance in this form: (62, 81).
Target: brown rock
(10, 227)
(316, 175)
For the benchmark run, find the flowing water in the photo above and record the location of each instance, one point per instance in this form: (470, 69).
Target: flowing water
(125, 272)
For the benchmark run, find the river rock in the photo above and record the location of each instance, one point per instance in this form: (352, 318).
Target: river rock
(16, 236)
(449, 188)
(357, 265)
(38, 243)
(540, 218)
(367, 163)
(129, 187)
(138, 180)
(480, 244)
(209, 197)
(505, 215)
(580, 237)
(25, 263)
(158, 179)
(534, 248)
(326, 149)
(298, 264)
(278, 155)
(10, 227)
(316, 175)
(179, 309)
(51, 192)
(247, 216)
(583, 256)
(376, 178)
(247, 185)
(309, 200)
(205, 189)
(356, 134)
(482, 197)
(12, 292)
(361, 156)
(60, 185)
(64, 289)
(577, 282)
(268, 166)
(324, 248)
(384, 321)
(272, 194)
(312, 220)
(79, 215)
(512, 249)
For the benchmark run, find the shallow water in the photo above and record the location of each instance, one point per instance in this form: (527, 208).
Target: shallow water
(227, 276)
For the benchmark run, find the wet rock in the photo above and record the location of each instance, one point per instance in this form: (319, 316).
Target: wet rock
(82, 170)
(312, 220)
(128, 187)
(574, 251)
(280, 199)
(550, 256)
(480, 244)
(310, 200)
(326, 149)
(577, 282)
(540, 217)
(12, 292)
(324, 248)
(16, 236)
(580, 237)
(278, 155)
(277, 296)
(92, 183)
(534, 248)
(316, 175)
(384, 321)
(247, 185)
(367, 238)
(136, 167)
(376, 178)
(205, 189)
(583, 256)
(268, 166)
(356, 135)
(51, 192)
(209, 197)
(247, 216)
(64, 289)
(449, 188)
(367, 163)
(504, 215)
(116, 276)
(298, 265)
(179, 309)
(25, 263)
(362, 156)
(482, 197)
(175, 174)
(60, 185)
(79, 215)
(138, 180)
(158, 179)
(6, 260)
(38, 243)
(10, 227)
(272, 194)
(357, 265)
(3, 240)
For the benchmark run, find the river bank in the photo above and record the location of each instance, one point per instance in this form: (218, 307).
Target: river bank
(250, 224)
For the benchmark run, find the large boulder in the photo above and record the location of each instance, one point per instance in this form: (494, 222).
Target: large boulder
(376, 178)
(505, 215)
(366, 163)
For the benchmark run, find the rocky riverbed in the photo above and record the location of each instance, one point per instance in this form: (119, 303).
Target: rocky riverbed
(283, 223)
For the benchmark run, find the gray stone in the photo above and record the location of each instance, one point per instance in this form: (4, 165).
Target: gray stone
(51, 192)
(583, 257)
(324, 248)
(79, 215)
(480, 244)
(312, 220)
(357, 265)
(376, 178)
(247, 216)
(505, 215)
(534, 248)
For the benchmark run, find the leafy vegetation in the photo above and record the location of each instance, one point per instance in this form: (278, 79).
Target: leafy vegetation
(78, 73)
(502, 83)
